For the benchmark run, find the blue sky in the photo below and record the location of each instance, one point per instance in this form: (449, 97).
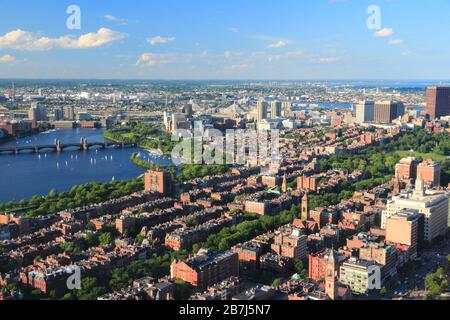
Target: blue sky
(225, 39)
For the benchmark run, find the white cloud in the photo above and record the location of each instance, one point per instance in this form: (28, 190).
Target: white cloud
(327, 59)
(93, 39)
(149, 59)
(117, 20)
(234, 30)
(7, 58)
(231, 54)
(235, 68)
(279, 44)
(298, 53)
(153, 59)
(29, 41)
(385, 32)
(25, 40)
(395, 42)
(273, 42)
(158, 39)
(273, 58)
(407, 53)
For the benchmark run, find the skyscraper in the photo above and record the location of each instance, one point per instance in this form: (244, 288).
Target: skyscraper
(58, 114)
(13, 91)
(433, 206)
(69, 113)
(261, 110)
(37, 112)
(365, 111)
(177, 119)
(187, 110)
(275, 109)
(438, 101)
(386, 111)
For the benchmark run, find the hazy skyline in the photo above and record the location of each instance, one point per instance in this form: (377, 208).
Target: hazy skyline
(199, 39)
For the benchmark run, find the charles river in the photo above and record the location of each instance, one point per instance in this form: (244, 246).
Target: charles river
(28, 174)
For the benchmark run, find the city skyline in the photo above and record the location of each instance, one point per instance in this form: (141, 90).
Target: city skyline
(327, 39)
(258, 151)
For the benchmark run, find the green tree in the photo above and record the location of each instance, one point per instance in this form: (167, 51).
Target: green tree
(105, 239)
(276, 283)
(90, 289)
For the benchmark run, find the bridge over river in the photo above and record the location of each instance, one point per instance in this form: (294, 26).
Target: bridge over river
(84, 145)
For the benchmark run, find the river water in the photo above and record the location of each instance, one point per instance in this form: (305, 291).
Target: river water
(25, 175)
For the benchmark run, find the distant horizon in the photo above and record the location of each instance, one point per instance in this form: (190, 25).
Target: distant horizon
(231, 79)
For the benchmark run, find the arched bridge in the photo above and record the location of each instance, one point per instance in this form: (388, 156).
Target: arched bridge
(84, 145)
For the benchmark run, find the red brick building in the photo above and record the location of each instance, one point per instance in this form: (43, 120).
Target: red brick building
(324, 216)
(256, 207)
(318, 264)
(290, 245)
(250, 253)
(158, 181)
(430, 171)
(271, 181)
(206, 268)
(406, 169)
(307, 183)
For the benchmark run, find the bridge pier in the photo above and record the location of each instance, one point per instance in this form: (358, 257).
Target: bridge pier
(84, 144)
(58, 146)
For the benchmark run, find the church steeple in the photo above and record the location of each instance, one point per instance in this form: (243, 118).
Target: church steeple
(330, 276)
(305, 207)
(284, 186)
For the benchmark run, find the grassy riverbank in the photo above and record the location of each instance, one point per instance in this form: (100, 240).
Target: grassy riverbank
(144, 136)
(183, 172)
(80, 195)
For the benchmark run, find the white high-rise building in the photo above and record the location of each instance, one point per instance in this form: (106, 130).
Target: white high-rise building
(365, 111)
(433, 205)
(166, 120)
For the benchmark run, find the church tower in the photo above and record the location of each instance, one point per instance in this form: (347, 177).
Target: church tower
(330, 277)
(284, 186)
(305, 207)
(419, 191)
(397, 185)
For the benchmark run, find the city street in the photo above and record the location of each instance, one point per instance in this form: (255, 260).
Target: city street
(431, 261)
